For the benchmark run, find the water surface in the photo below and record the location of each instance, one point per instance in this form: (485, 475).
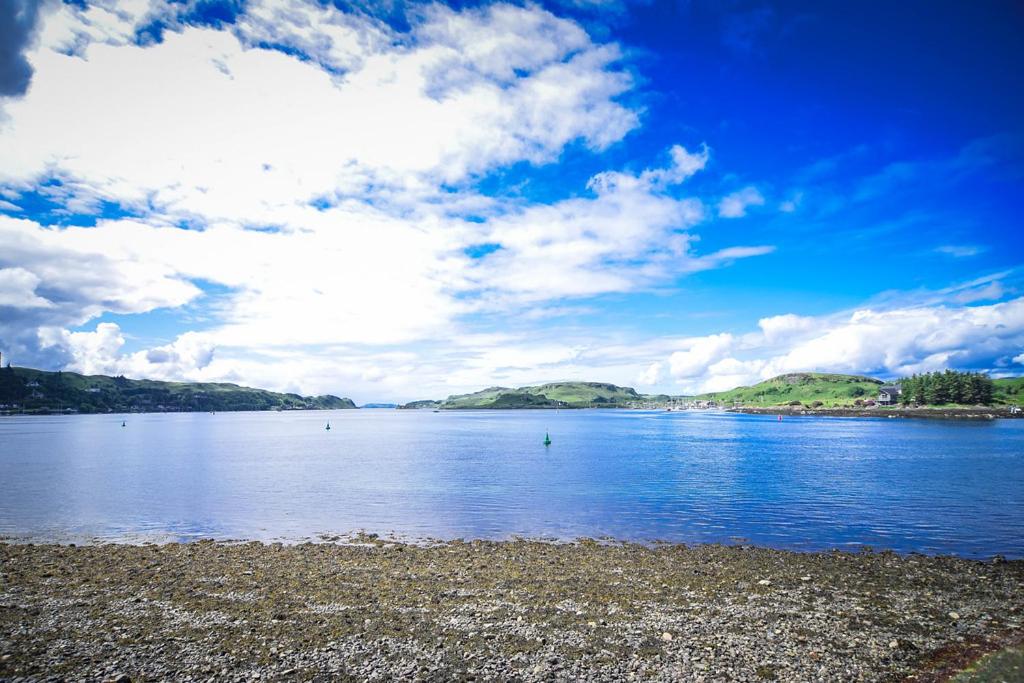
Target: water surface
(803, 483)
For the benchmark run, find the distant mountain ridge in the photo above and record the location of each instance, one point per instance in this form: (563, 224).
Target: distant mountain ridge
(825, 389)
(552, 395)
(40, 391)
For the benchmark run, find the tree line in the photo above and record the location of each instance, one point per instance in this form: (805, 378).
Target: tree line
(937, 388)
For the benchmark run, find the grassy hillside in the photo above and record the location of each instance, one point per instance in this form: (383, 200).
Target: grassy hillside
(1009, 390)
(584, 393)
(496, 397)
(40, 391)
(415, 405)
(554, 395)
(805, 387)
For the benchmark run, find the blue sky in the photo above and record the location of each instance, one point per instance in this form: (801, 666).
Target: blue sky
(411, 200)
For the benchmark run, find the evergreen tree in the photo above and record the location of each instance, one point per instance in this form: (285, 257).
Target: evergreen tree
(950, 386)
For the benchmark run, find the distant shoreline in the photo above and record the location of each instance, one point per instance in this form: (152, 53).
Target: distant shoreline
(975, 413)
(44, 412)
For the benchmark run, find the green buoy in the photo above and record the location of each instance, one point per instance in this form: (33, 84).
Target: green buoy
(547, 439)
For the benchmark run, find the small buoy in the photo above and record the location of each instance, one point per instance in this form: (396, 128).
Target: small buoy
(780, 418)
(328, 427)
(122, 424)
(547, 439)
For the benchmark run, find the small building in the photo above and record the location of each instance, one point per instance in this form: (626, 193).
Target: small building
(889, 394)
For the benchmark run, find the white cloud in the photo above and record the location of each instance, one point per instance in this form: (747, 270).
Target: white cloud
(120, 267)
(654, 374)
(700, 353)
(735, 205)
(99, 352)
(889, 342)
(18, 289)
(329, 200)
(205, 124)
(1019, 359)
(781, 327)
(631, 235)
(684, 164)
(92, 353)
(190, 351)
(960, 250)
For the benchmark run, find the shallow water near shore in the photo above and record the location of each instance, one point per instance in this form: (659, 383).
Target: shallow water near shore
(805, 483)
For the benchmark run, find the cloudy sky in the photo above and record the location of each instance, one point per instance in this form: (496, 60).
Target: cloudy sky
(408, 200)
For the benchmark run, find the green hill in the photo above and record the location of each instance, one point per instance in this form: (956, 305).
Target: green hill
(1009, 390)
(415, 405)
(805, 387)
(28, 390)
(584, 393)
(554, 395)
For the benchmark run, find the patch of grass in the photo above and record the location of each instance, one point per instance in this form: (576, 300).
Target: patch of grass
(805, 387)
(1005, 665)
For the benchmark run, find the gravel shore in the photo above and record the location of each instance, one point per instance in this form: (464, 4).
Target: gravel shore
(517, 610)
(925, 413)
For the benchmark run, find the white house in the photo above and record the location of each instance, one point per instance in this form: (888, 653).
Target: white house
(889, 394)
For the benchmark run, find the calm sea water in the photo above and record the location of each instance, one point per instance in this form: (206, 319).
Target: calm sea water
(803, 483)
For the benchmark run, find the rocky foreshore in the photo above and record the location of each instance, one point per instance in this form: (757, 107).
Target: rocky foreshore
(517, 610)
(960, 413)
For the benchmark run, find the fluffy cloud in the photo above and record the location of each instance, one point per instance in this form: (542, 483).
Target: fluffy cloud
(888, 342)
(99, 352)
(735, 205)
(91, 352)
(683, 165)
(315, 202)
(701, 353)
(654, 374)
(76, 274)
(206, 124)
(782, 327)
(18, 289)
(360, 274)
(632, 234)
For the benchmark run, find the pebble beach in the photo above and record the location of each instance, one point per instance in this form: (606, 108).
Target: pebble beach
(370, 609)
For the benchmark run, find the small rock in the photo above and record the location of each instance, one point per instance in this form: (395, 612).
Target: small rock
(119, 678)
(805, 578)
(666, 636)
(764, 582)
(894, 644)
(954, 616)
